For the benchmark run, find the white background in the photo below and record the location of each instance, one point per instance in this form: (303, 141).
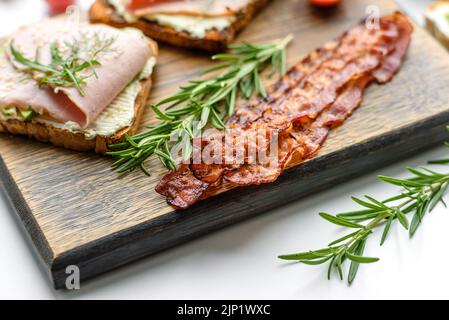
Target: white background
(240, 262)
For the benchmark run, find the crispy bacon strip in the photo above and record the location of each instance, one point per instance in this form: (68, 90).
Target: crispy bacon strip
(181, 187)
(302, 141)
(334, 56)
(316, 95)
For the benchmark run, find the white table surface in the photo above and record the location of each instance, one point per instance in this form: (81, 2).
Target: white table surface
(240, 262)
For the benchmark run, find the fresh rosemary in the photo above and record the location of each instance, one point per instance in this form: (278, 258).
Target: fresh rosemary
(68, 70)
(420, 194)
(200, 103)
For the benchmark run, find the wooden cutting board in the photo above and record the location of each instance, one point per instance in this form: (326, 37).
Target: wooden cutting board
(79, 212)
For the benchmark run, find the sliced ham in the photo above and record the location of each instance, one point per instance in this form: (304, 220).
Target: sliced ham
(124, 59)
(18, 90)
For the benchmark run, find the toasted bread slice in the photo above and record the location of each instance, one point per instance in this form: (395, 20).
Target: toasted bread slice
(77, 140)
(437, 21)
(214, 41)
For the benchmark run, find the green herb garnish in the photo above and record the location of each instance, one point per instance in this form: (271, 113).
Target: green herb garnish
(202, 102)
(8, 112)
(68, 70)
(421, 193)
(27, 114)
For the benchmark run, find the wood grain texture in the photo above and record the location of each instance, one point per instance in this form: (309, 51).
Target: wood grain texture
(78, 211)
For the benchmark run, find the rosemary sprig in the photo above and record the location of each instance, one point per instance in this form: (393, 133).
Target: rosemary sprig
(69, 70)
(202, 103)
(420, 194)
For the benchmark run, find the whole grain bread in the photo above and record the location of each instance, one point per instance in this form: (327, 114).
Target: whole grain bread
(214, 41)
(77, 140)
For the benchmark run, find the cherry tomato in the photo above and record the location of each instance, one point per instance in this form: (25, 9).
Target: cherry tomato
(138, 4)
(59, 6)
(324, 3)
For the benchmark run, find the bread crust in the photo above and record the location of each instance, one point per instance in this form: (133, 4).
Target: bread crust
(214, 41)
(77, 140)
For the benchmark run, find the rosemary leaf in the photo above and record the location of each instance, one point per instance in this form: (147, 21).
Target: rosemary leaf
(70, 70)
(420, 194)
(203, 102)
(339, 221)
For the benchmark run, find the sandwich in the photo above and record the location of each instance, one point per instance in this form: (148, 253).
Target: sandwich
(437, 21)
(200, 24)
(73, 84)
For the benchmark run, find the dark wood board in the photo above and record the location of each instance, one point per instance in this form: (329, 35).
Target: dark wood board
(77, 211)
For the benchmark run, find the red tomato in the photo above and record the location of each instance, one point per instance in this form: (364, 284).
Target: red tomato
(324, 3)
(59, 6)
(138, 4)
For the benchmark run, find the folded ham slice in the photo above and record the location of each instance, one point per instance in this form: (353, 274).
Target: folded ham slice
(205, 8)
(317, 94)
(123, 59)
(16, 89)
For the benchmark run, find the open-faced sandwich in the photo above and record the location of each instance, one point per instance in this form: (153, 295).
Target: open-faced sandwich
(75, 85)
(437, 21)
(201, 24)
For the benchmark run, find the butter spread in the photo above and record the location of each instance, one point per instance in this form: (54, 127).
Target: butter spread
(194, 25)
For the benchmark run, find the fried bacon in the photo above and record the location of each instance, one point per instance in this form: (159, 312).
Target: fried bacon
(315, 95)
(181, 187)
